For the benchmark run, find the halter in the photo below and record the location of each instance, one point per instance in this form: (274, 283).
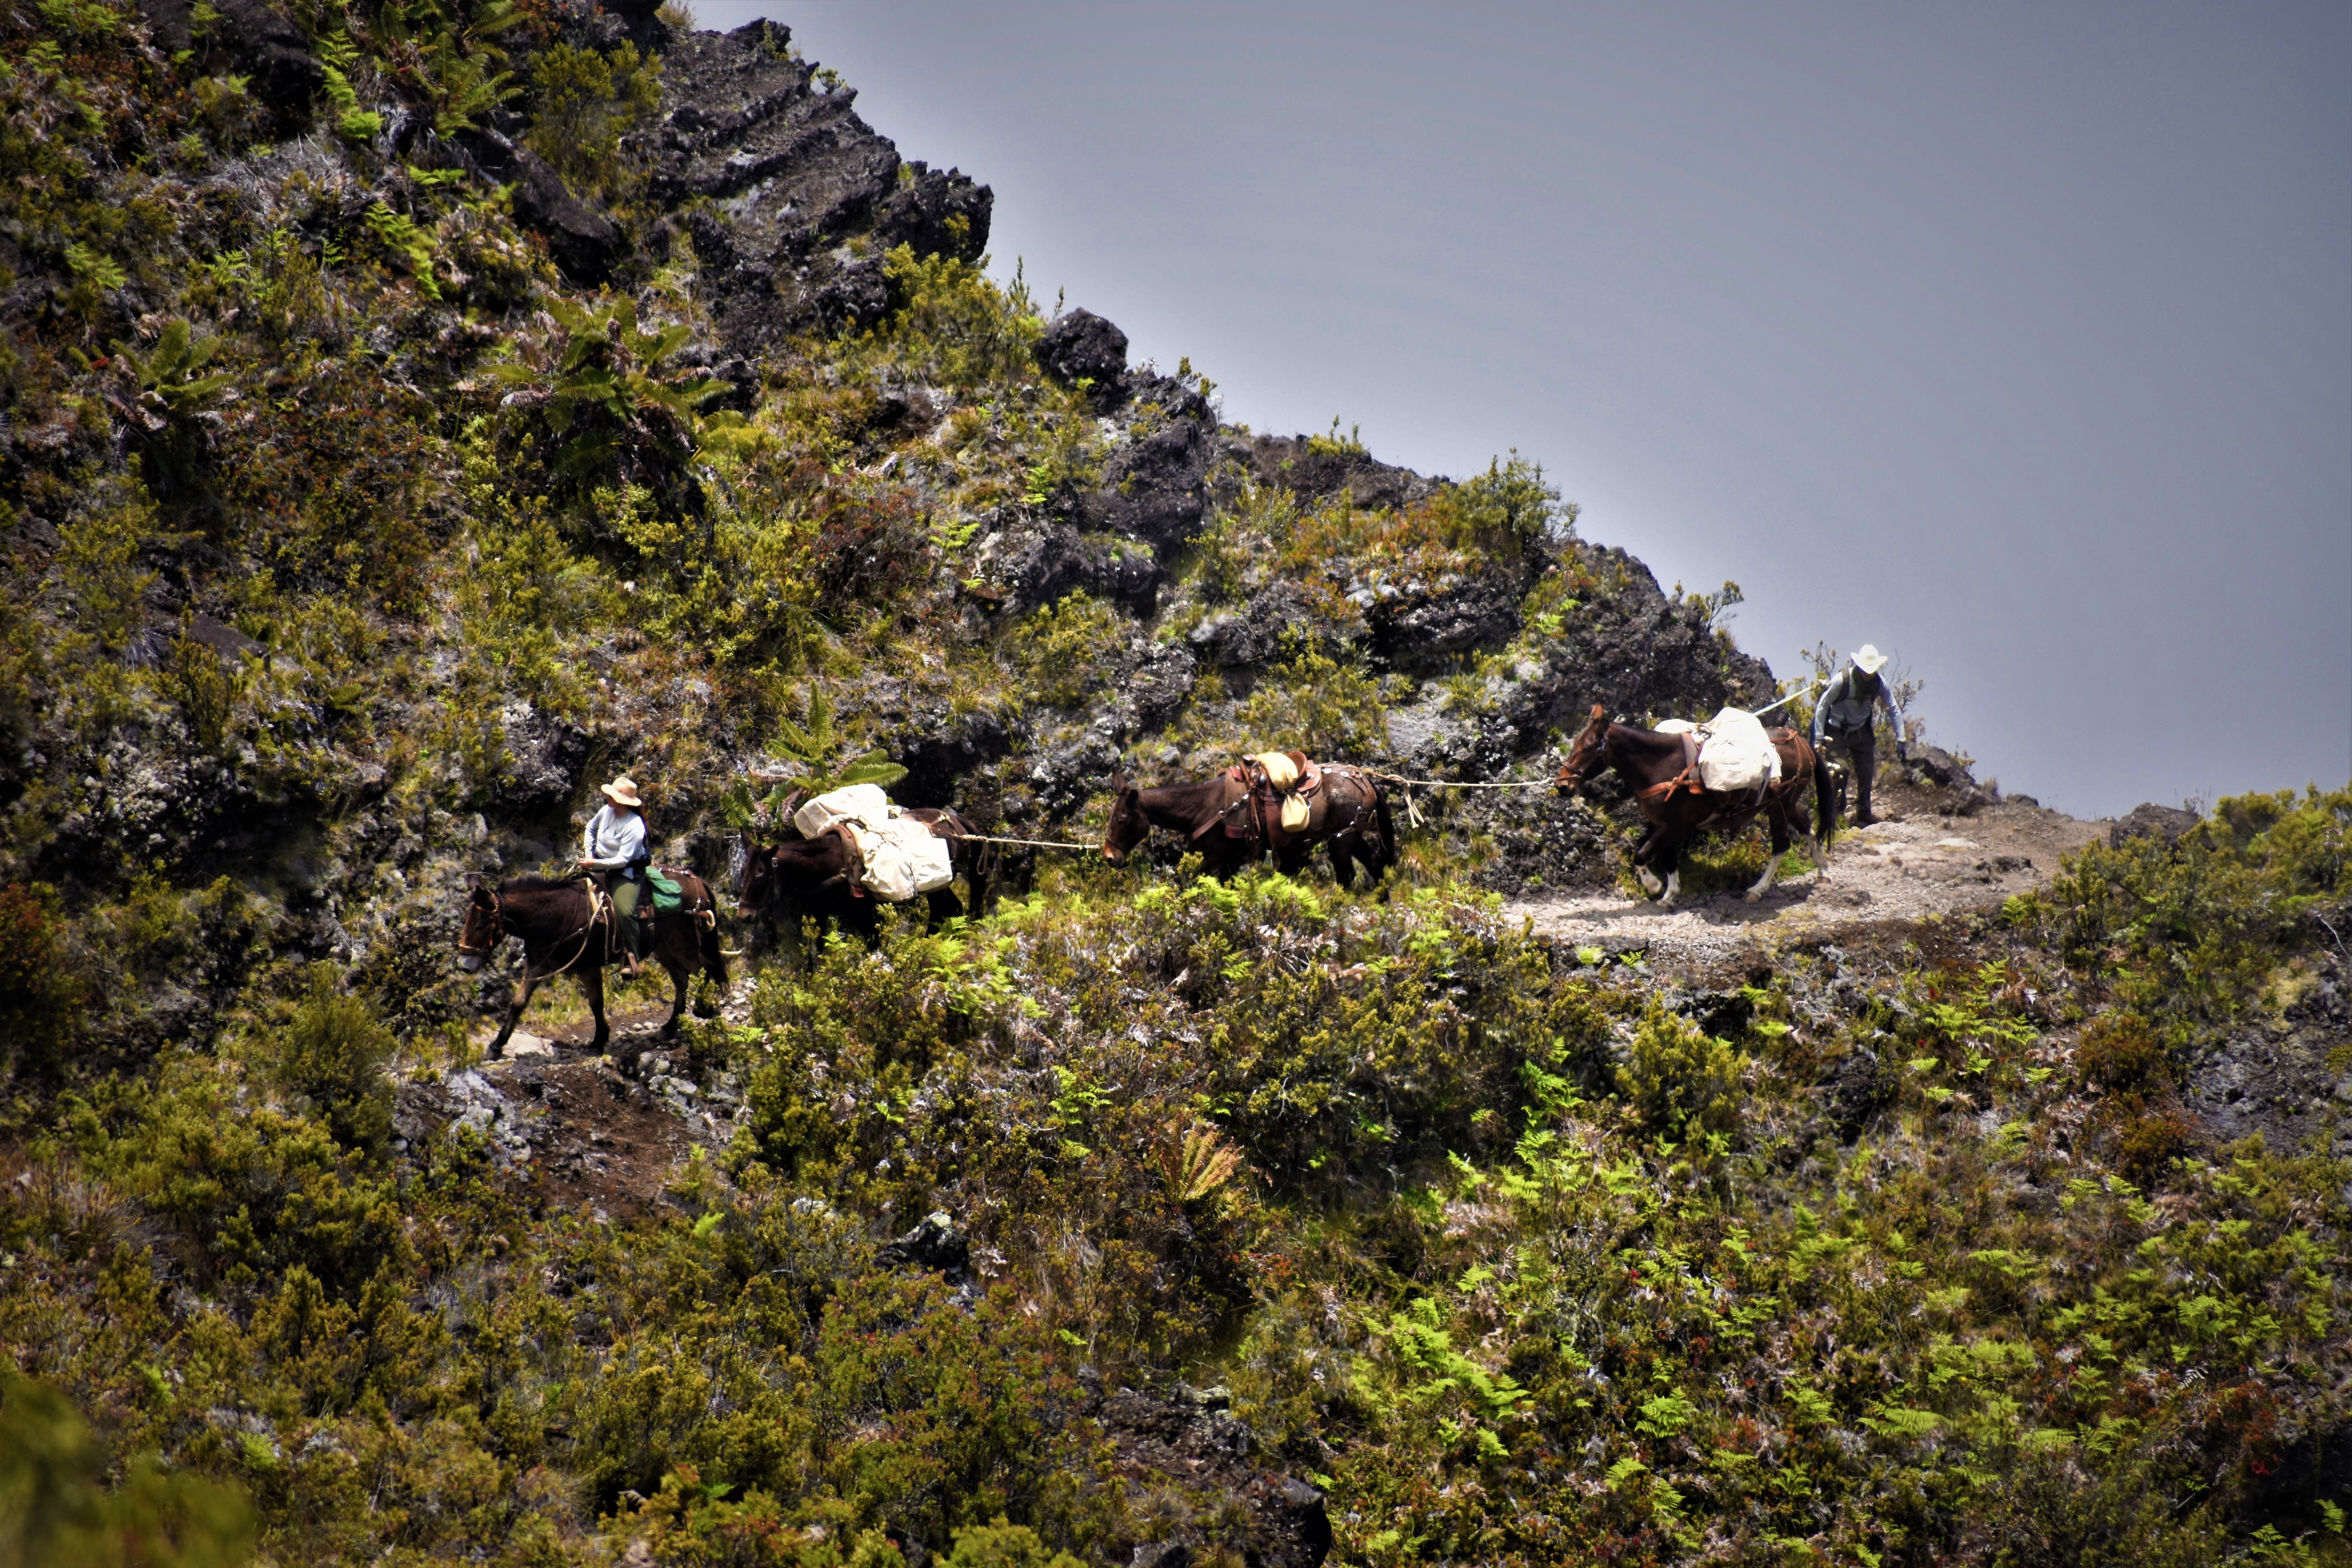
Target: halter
(497, 930)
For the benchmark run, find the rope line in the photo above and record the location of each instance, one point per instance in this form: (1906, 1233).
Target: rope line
(1457, 783)
(1032, 843)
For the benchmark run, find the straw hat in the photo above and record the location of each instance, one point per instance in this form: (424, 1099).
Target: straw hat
(1866, 659)
(622, 791)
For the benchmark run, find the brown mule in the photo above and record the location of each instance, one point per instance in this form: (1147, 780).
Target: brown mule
(1221, 819)
(566, 928)
(1665, 783)
(798, 880)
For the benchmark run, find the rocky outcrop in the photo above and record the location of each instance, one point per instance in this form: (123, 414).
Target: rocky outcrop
(249, 39)
(1155, 483)
(791, 200)
(1184, 1461)
(1317, 469)
(2166, 823)
(1636, 653)
(585, 243)
(1080, 346)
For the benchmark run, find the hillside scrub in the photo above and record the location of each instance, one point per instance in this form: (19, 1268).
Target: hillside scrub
(413, 419)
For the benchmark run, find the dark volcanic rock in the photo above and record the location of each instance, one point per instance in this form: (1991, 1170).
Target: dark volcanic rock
(2165, 823)
(1082, 346)
(1636, 653)
(936, 1243)
(1854, 1090)
(1295, 462)
(584, 242)
(1184, 1461)
(1155, 484)
(544, 756)
(252, 41)
(940, 750)
(1425, 627)
(796, 200)
(1041, 562)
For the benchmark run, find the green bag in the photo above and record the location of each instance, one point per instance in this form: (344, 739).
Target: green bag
(668, 895)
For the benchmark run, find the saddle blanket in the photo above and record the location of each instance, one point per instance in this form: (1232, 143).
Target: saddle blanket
(903, 856)
(1735, 754)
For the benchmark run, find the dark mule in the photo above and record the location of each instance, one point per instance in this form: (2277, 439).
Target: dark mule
(1657, 768)
(800, 879)
(1349, 816)
(566, 928)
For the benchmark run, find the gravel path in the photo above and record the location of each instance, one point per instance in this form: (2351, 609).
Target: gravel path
(1894, 870)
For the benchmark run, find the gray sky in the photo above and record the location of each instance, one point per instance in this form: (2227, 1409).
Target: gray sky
(2015, 339)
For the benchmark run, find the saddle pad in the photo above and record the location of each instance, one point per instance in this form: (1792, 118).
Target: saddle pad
(903, 857)
(862, 802)
(1737, 755)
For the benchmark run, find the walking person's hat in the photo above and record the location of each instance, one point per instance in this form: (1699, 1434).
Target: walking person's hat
(1866, 659)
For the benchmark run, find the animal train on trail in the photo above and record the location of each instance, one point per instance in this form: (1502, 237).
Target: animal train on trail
(1663, 768)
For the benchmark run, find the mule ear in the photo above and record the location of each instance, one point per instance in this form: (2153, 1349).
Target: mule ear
(1598, 711)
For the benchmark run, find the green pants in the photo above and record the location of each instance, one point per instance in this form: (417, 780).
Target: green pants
(624, 911)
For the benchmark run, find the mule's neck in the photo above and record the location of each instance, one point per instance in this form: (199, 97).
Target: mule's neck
(1182, 807)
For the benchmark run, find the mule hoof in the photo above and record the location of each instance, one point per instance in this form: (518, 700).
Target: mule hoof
(705, 1010)
(1754, 898)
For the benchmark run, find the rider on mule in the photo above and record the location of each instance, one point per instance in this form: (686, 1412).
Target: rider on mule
(614, 843)
(1845, 719)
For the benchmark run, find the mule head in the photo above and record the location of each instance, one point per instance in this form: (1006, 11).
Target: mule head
(1585, 755)
(758, 884)
(483, 929)
(1126, 826)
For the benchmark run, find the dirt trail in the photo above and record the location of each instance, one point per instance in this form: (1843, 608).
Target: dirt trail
(1896, 870)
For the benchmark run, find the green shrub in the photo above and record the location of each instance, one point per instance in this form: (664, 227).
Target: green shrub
(583, 103)
(1683, 1083)
(334, 1056)
(56, 1505)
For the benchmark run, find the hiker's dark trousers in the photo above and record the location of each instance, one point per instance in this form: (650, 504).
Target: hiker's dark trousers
(1860, 751)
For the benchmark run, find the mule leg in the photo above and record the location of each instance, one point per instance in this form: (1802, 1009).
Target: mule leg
(1643, 853)
(944, 905)
(524, 988)
(1673, 854)
(678, 973)
(714, 964)
(1778, 819)
(1343, 867)
(592, 980)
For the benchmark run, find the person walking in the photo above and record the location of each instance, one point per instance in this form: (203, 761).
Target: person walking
(615, 844)
(1846, 718)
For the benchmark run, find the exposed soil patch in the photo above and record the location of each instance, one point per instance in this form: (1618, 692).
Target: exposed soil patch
(1897, 871)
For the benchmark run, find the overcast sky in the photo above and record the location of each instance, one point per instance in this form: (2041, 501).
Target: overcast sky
(2015, 339)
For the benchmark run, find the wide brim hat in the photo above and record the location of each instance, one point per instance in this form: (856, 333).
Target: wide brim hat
(1868, 659)
(622, 791)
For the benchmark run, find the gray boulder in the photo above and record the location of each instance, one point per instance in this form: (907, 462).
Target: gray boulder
(2166, 823)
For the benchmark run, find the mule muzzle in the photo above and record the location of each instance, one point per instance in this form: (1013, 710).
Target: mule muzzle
(1116, 857)
(469, 962)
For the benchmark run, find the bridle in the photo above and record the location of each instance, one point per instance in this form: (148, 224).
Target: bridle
(600, 906)
(497, 928)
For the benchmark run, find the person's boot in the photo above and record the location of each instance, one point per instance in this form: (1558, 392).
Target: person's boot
(1862, 816)
(629, 963)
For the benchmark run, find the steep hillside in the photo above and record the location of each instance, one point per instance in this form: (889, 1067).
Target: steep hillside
(414, 417)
